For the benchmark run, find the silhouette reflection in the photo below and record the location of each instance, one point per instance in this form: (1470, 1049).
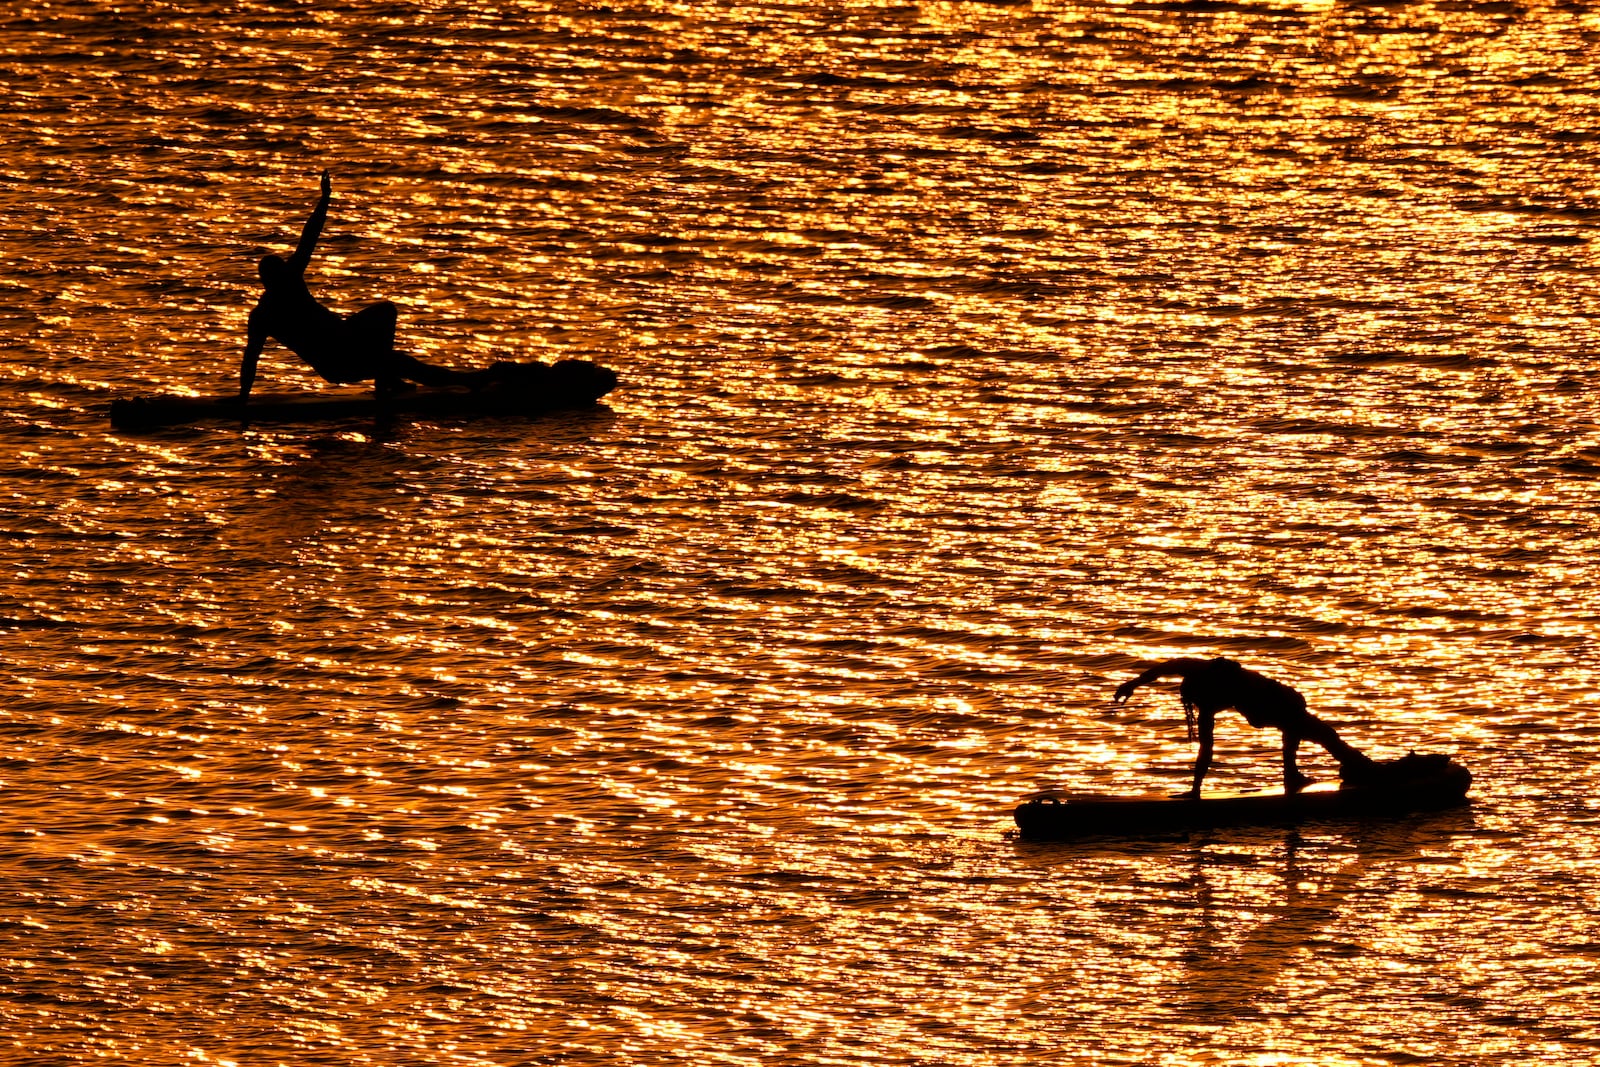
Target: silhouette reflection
(1228, 966)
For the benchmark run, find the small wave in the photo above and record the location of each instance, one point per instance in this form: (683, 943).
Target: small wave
(1413, 357)
(599, 116)
(983, 133)
(1298, 425)
(1413, 456)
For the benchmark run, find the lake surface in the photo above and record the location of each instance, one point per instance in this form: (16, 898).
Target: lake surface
(974, 356)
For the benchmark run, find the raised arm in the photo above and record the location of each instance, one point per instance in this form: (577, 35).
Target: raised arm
(308, 237)
(1181, 667)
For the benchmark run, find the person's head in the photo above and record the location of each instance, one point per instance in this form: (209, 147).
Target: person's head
(273, 271)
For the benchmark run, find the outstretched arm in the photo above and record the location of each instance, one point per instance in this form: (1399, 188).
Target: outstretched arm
(247, 367)
(308, 237)
(1181, 667)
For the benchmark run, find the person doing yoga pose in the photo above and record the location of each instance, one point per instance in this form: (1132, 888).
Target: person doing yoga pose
(1213, 685)
(341, 348)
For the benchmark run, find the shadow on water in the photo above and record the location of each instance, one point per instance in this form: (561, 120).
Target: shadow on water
(1306, 879)
(573, 426)
(343, 489)
(366, 478)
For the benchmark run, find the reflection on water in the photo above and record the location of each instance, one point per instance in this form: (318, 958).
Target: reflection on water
(972, 355)
(1240, 953)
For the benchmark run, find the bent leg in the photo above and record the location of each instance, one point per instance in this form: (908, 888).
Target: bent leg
(372, 329)
(375, 326)
(1293, 780)
(359, 349)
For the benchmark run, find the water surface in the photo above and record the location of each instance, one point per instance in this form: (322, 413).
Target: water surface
(974, 356)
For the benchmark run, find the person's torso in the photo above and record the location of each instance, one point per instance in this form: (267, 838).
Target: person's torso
(290, 315)
(1262, 701)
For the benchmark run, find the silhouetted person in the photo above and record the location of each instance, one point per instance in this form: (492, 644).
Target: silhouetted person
(341, 348)
(1212, 685)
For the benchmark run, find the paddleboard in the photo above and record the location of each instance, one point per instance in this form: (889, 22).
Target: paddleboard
(571, 384)
(1429, 783)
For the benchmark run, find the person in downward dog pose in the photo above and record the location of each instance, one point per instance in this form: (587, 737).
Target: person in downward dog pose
(1213, 685)
(341, 348)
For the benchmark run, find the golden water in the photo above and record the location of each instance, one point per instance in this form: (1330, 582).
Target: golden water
(973, 355)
